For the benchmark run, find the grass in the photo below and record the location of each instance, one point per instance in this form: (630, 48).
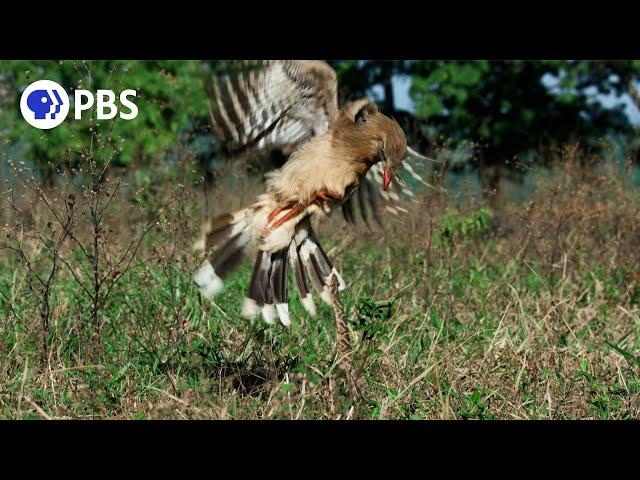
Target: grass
(457, 313)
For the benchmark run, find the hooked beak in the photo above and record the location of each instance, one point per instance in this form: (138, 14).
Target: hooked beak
(386, 178)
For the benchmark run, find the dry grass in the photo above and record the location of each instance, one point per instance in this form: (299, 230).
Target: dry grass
(532, 312)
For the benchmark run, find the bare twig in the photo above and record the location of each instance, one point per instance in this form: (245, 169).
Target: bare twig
(345, 360)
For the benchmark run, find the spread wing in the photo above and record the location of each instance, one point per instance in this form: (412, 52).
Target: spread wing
(272, 104)
(370, 200)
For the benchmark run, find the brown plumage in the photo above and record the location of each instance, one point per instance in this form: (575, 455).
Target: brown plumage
(341, 157)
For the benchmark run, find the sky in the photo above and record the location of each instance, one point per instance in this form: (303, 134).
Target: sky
(401, 85)
(630, 108)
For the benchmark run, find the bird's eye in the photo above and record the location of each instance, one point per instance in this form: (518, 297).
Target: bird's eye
(364, 113)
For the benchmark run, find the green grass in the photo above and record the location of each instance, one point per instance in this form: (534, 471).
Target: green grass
(511, 316)
(467, 343)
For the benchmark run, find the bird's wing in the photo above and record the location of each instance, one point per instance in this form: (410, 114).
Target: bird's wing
(272, 104)
(371, 200)
(312, 270)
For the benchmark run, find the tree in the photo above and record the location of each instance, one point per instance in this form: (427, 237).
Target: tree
(506, 108)
(356, 77)
(170, 98)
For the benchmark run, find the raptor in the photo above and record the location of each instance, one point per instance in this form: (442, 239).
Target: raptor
(352, 158)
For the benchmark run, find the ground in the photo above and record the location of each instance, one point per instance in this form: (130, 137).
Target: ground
(457, 312)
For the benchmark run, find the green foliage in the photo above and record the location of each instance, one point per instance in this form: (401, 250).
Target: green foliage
(605, 398)
(506, 107)
(456, 228)
(599, 283)
(628, 356)
(161, 344)
(503, 106)
(170, 98)
(372, 317)
(474, 407)
(451, 81)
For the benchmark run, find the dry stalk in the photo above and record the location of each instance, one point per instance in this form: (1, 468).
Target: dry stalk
(343, 347)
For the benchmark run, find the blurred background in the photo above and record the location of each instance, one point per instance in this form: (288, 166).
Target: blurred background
(511, 289)
(493, 120)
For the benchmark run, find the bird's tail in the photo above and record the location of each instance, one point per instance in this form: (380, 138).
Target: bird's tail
(312, 269)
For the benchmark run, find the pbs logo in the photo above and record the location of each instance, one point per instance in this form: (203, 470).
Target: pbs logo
(44, 104)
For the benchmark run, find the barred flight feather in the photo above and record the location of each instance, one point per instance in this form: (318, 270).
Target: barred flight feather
(277, 103)
(371, 197)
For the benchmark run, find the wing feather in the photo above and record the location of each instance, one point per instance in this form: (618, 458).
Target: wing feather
(370, 198)
(272, 104)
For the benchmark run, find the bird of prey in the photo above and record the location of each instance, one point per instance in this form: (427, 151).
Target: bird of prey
(352, 157)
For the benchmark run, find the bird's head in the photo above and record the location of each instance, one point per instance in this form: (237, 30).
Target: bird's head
(372, 137)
